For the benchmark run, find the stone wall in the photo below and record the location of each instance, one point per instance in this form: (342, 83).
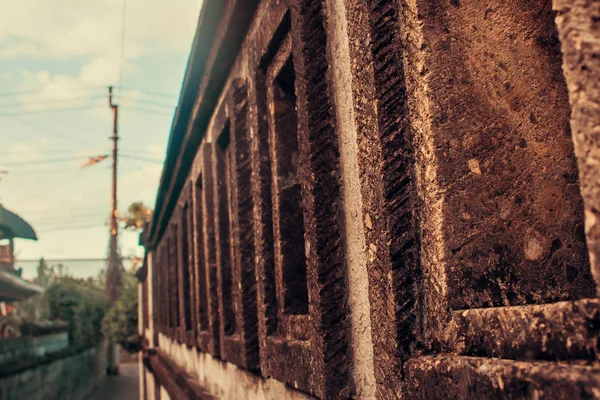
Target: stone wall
(383, 199)
(12, 350)
(69, 374)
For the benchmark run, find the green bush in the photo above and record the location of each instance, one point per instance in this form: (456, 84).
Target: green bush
(120, 324)
(81, 305)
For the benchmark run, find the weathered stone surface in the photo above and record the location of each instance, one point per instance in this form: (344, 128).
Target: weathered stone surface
(579, 28)
(309, 351)
(236, 280)
(558, 331)
(210, 251)
(244, 256)
(387, 167)
(323, 227)
(454, 377)
(186, 296)
(222, 164)
(502, 216)
(467, 218)
(275, 22)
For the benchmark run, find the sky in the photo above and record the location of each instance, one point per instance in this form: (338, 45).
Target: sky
(57, 59)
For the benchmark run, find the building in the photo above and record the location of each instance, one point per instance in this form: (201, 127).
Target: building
(380, 199)
(12, 286)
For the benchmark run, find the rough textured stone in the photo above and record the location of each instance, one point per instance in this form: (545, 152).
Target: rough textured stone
(235, 229)
(244, 273)
(308, 351)
(511, 232)
(326, 269)
(561, 331)
(222, 164)
(453, 377)
(465, 215)
(210, 251)
(579, 27)
(386, 164)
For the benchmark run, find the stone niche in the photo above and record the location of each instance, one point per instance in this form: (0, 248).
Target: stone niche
(512, 215)
(471, 199)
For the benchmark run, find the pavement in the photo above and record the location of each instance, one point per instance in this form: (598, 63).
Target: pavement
(125, 386)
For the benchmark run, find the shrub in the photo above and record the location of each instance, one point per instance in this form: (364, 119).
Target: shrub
(120, 324)
(81, 305)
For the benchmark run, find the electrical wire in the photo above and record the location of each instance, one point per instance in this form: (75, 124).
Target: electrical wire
(91, 151)
(53, 101)
(46, 130)
(73, 228)
(122, 62)
(58, 109)
(38, 92)
(146, 102)
(54, 185)
(48, 161)
(124, 155)
(40, 171)
(66, 218)
(149, 111)
(152, 93)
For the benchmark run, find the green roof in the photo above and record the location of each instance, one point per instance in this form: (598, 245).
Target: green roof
(13, 226)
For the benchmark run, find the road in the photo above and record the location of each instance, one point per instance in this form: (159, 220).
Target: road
(122, 387)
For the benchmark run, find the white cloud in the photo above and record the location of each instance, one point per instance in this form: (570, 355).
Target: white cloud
(88, 33)
(73, 28)
(21, 153)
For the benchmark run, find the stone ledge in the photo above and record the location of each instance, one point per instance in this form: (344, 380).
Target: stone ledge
(460, 377)
(175, 380)
(14, 368)
(565, 330)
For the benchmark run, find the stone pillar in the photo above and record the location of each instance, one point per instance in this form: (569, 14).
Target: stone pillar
(579, 29)
(141, 305)
(142, 382)
(150, 298)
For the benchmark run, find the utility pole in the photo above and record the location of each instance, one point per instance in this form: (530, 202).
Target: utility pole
(113, 271)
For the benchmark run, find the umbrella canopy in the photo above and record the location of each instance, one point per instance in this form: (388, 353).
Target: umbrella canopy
(13, 226)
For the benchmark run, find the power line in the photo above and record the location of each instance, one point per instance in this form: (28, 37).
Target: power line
(48, 161)
(81, 214)
(67, 218)
(146, 102)
(54, 185)
(149, 111)
(58, 109)
(70, 259)
(52, 101)
(121, 67)
(69, 224)
(73, 228)
(40, 171)
(141, 158)
(91, 151)
(46, 130)
(152, 93)
(37, 92)
(100, 207)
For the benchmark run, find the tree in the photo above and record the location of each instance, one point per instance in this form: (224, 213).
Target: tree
(44, 273)
(81, 305)
(120, 325)
(137, 215)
